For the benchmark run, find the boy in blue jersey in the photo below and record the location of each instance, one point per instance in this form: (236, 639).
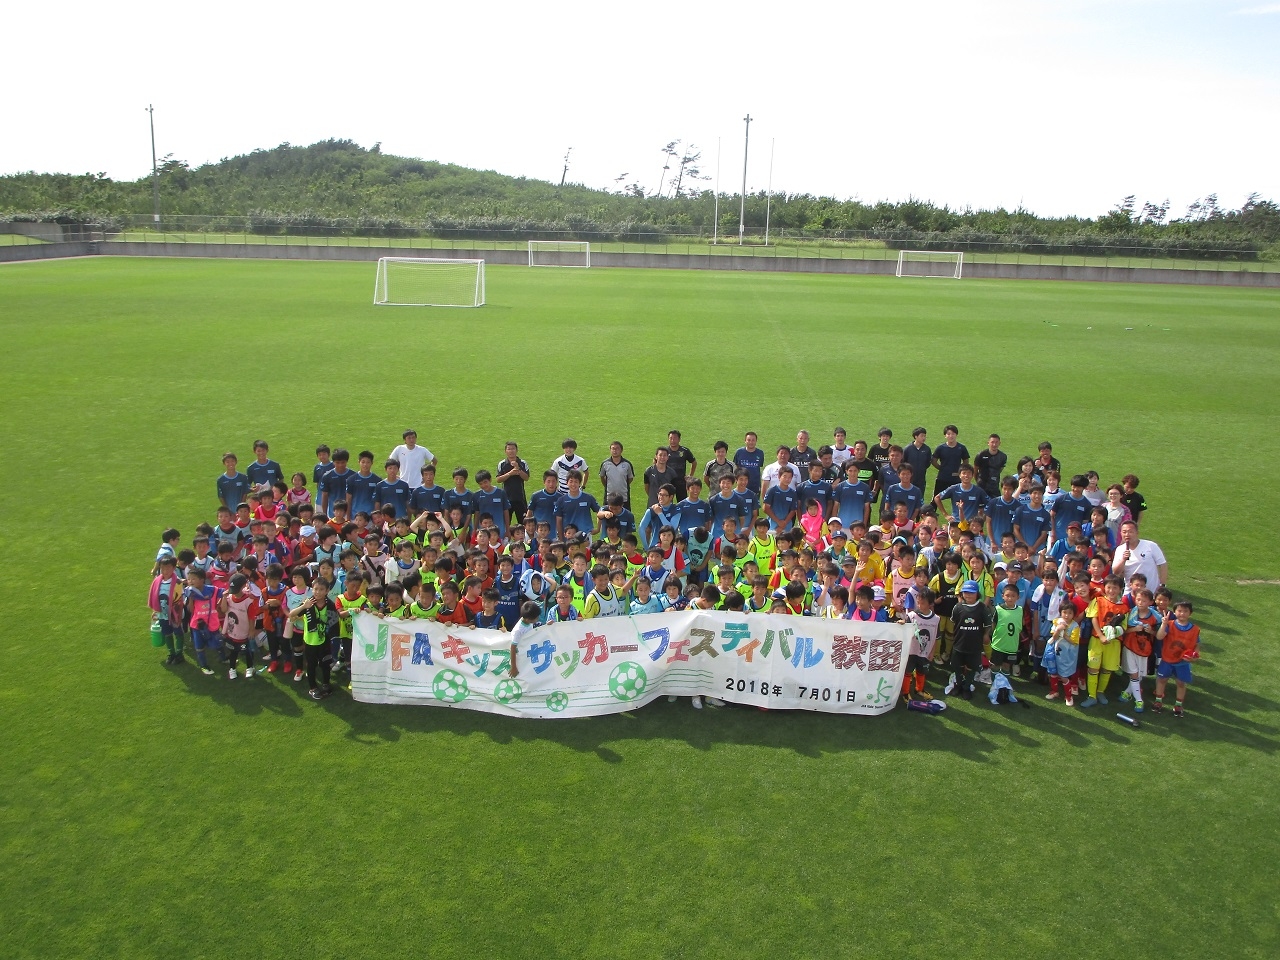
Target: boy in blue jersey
(495, 502)
(576, 507)
(967, 498)
(1000, 511)
(726, 505)
(751, 459)
(750, 498)
(428, 497)
(782, 502)
(664, 513)
(233, 486)
(695, 512)
(904, 491)
(324, 463)
(817, 488)
(333, 483)
(1031, 523)
(263, 472)
(1071, 506)
(542, 505)
(616, 510)
(852, 498)
(362, 486)
(393, 491)
(458, 497)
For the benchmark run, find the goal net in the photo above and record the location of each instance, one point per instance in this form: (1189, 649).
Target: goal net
(559, 253)
(930, 263)
(429, 282)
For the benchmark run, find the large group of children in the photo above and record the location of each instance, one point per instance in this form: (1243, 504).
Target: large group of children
(1001, 574)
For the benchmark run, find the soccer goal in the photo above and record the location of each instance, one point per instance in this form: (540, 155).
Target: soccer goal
(930, 263)
(429, 282)
(559, 253)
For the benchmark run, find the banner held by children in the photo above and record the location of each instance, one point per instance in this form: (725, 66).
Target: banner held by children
(614, 664)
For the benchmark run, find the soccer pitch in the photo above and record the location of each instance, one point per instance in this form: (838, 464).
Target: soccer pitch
(157, 812)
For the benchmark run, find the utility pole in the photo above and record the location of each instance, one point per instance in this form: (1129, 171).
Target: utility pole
(155, 181)
(715, 229)
(768, 192)
(565, 172)
(742, 209)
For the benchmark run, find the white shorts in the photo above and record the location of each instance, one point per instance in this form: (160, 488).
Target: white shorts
(1132, 663)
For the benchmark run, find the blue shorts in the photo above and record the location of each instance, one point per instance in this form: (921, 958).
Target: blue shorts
(1180, 671)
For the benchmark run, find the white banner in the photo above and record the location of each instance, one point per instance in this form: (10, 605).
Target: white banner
(613, 664)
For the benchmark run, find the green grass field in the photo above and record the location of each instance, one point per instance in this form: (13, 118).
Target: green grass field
(149, 812)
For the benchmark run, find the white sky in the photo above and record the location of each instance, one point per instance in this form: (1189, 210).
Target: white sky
(1064, 107)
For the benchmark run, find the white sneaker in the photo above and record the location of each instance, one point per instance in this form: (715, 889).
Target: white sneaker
(672, 699)
(697, 703)
(231, 674)
(715, 701)
(248, 672)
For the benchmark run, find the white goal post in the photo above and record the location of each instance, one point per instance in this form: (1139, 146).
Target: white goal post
(930, 263)
(559, 253)
(429, 282)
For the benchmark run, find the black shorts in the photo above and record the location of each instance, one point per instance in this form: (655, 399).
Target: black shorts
(968, 659)
(917, 664)
(998, 657)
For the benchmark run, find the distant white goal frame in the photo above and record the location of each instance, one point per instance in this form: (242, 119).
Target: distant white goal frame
(559, 247)
(931, 256)
(468, 292)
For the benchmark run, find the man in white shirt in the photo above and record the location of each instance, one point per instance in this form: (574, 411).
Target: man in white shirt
(769, 476)
(1134, 555)
(412, 458)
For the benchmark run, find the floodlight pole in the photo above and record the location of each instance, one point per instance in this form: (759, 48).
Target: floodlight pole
(768, 192)
(155, 182)
(715, 230)
(742, 208)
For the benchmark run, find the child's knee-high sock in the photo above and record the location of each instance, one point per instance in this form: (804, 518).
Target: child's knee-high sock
(1135, 688)
(906, 684)
(1104, 677)
(1053, 683)
(920, 682)
(1092, 684)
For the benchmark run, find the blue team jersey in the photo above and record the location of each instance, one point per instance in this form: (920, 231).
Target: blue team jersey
(750, 502)
(851, 502)
(626, 522)
(543, 507)
(652, 605)
(463, 499)
(782, 502)
(651, 523)
(318, 473)
(950, 459)
(264, 474)
(888, 477)
(1000, 512)
(1032, 523)
(509, 598)
(396, 493)
(334, 486)
(912, 496)
(724, 507)
(233, 490)
(751, 461)
(580, 511)
(818, 490)
(1066, 509)
(965, 503)
(495, 503)
(430, 499)
(693, 513)
(361, 492)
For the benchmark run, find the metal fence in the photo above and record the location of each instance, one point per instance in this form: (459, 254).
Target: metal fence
(846, 245)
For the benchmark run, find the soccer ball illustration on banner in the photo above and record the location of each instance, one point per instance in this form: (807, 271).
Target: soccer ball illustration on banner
(627, 680)
(450, 686)
(558, 701)
(508, 691)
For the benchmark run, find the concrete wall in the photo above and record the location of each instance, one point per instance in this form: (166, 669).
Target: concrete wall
(49, 232)
(668, 261)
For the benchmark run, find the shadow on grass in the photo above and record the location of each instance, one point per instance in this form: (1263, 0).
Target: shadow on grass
(974, 730)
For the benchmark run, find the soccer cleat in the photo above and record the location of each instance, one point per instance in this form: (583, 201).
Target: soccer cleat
(715, 701)
(326, 689)
(1071, 701)
(206, 671)
(1157, 706)
(297, 675)
(1017, 670)
(697, 703)
(231, 674)
(315, 694)
(1102, 698)
(248, 672)
(922, 695)
(1088, 702)
(272, 667)
(1177, 712)
(672, 699)
(1052, 695)
(1127, 697)
(1137, 706)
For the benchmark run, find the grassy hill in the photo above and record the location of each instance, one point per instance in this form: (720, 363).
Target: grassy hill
(339, 185)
